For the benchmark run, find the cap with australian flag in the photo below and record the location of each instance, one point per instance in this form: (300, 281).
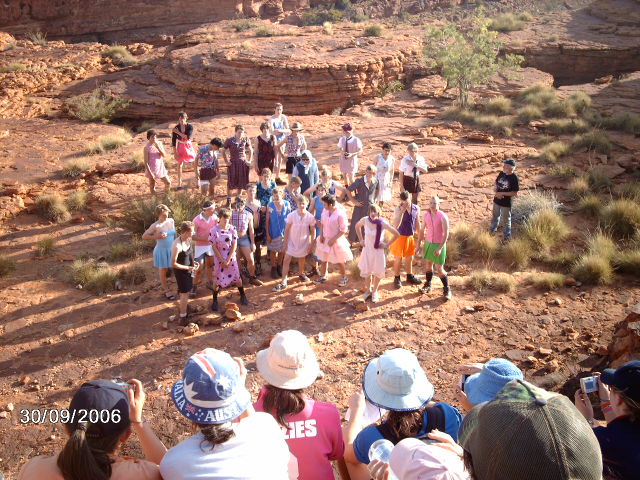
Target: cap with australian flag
(211, 390)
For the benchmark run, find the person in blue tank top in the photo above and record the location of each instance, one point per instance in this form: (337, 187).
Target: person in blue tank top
(163, 231)
(277, 212)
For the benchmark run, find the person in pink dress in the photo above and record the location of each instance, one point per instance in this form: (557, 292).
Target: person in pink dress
(203, 252)
(332, 245)
(154, 168)
(299, 236)
(435, 232)
(224, 241)
(183, 150)
(311, 429)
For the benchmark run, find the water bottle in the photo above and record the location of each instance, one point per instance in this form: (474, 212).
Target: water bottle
(381, 450)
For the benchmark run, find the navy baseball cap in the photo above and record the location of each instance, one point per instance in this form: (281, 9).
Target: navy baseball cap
(91, 401)
(510, 161)
(626, 379)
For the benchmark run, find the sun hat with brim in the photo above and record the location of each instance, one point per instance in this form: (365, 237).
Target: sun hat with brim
(626, 379)
(109, 400)
(527, 433)
(296, 127)
(289, 362)
(211, 390)
(412, 459)
(483, 386)
(395, 381)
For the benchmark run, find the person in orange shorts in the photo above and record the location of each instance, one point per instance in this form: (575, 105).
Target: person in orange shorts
(407, 222)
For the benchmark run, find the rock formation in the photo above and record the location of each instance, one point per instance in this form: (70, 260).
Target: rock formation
(625, 345)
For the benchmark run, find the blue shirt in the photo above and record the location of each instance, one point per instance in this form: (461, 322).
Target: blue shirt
(277, 221)
(370, 434)
(308, 174)
(620, 445)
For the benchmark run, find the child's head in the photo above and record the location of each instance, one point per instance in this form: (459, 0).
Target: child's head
(265, 174)
(302, 202)
(412, 147)
(295, 182)
(264, 127)
(329, 200)
(386, 147)
(151, 133)
(186, 228)
(240, 202)
(370, 171)
(326, 174)
(252, 189)
(374, 211)
(216, 143)
(277, 194)
(321, 190)
(162, 211)
(224, 213)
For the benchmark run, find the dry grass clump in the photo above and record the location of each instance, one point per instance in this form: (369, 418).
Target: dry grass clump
(499, 105)
(7, 266)
(579, 101)
(120, 56)
(140, 214)
(99, 105)
(136, 161)
(555, 150)
(13, 67)
(486, 279)
(566, 171)
(544, 229)
(579, 187)
(529, 112)
(45, 246)
(590, 204)
(628, 261)
(77, 200)
(603, 245)
(597, 141)
(454, 249)
(630, 191)
(37, 37)
(93, 276)
(622, 218)
(242, 25)
(123, 251)
(458, 241)
(593, 269)
(559, 109)
(109, 142)
(598, 179)
(75, 168)
(530, 202)
(327, 28)
(52, 207)
(373, 31)
(354, 269)
(264, 32)
(546, 280)
(563, 259)
(500, 124)
(483, 244)
(560, 126)
(507, 22)
(539, 95)
(518, 252)
(132, 274)
(623, 121)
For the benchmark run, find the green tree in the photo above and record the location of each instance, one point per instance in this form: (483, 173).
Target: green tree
(467, 56)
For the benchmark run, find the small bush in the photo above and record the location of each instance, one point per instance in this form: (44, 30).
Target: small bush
(122, 251)
(132, 274)
(495, 123)
(590, 204)
(7, 266)
(597, 141)
(92, 276)
(593, 269)
(563, 259)
(555, 150)
(143, 127)
(598, 179)
(559, 109)
(627, 262)
(529, 112)
(264, 32)
(563, 171)
(579, 187)
(109, 142)
(499, 105)
(45, 246)
(120, 56)
(623, 121)
(603, 245)
(483, 244)
(454, 249)
(37, 37)
(530, 202)
(317, 16)
(546, 280)
(13, 67)
(517, 251)
(622, 218)
(242, 25)
(391, 87)
(140, 214)
(136, 162)
(580, 101)
(630, 191)
(459, 240)
(99, 105)
(560, 126)
(506, 22)
(77, 201)
(485, 279)
(75, 168)
(52, 208)
(373, 31)
(354, 269)
(327, 28)
(525, 16)
(539, 95)
(544, 229)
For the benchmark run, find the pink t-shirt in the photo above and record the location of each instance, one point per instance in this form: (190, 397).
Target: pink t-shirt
(433, 225)
(314, 438)
(203, 227)
(335, 222)
(46, 468)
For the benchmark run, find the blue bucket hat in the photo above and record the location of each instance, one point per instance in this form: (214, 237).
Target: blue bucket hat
(395, 381)
(211, 390)
(483, 386)
(626, 379)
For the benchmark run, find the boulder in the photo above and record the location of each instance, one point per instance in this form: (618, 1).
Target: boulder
(625, 345)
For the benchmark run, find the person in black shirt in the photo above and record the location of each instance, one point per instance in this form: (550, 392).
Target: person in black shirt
(506, 187)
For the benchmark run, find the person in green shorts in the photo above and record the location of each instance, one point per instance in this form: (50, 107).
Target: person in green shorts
(434, 229)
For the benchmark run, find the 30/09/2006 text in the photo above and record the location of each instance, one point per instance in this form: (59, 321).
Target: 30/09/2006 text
(56, 415)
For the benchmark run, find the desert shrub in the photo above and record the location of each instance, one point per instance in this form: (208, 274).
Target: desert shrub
(264, 32)
(356, 16)
(37, 37)
(109, 142)
(390, 87)
(242, 25)
(595, 140)
(99, 105)
(555, 150)
(559, 126)
(317, 16)
(122, 251)
(546, 280)
(506, 22)
(140, 214)
(564, 259)
(601, 244)
(132, 274)
(459, 238)
(488, 280)
(544, 229)
(483, 244)
(373, 31)
(93, 276)
(529, 112)
(593, 269)
(525, 16)
(7, 266)
(45, 246)
(627, 262)
(539, 95)
(77, 200)
(559, 109)
(579, 101)
(630, 190)
(590, 204)
(579, 187)
(566, 171)
(136, 162)
(598, 179)
(496, 123)
(530, 202)
(52, 207)
(75, 168)
(120, 56)
(13, 67)
(327, 28)
(499, 105)
(454, 249)
(517, 252)
(622, 218)
(143, 127)
(623, 121)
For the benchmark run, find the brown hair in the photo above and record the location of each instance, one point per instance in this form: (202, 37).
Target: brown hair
(161, 208)
(215, 434)
(295, 179)
(405, 424)
(265, 171)
(278, 105)
(375, 208)
(151, 132)
(264, 126)
(633, 407)
(280, 403)
(277, 191)
(302, 198)
(224, 212)
(239, 127)
(184, 226)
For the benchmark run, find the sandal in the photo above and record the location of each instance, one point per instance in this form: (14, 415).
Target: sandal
(169, 296)
(343, 281)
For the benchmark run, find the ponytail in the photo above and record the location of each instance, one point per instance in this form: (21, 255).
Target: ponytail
(215, 434)
(86, 455)
(280, 403)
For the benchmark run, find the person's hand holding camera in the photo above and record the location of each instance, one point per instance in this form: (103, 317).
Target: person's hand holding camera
(583, 404)
(604, 393)
(470, 368)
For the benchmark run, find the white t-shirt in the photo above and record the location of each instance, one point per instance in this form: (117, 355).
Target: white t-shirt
(257, 451)
(407, 168)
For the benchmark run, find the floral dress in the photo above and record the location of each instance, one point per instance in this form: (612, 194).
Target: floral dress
(266, 153)
(223, 240)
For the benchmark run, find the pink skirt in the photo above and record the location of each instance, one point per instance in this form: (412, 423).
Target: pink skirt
(340, 252)
(185, 153)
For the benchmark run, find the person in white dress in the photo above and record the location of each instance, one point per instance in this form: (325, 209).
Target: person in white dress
(386, 169)
(372, 261)
(299, 238)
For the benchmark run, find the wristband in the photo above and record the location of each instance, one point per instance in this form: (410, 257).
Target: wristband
(604, 405)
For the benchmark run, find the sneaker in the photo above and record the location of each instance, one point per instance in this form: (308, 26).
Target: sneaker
(280, 286)
(365, 296)
(314, 271)
(343, 281)
(447, 294)
(413, 280)
(255, 282)
(304, 278)
(375, 297)
(397, 282)
(320, 279)
(274, 272)
(426, 288)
